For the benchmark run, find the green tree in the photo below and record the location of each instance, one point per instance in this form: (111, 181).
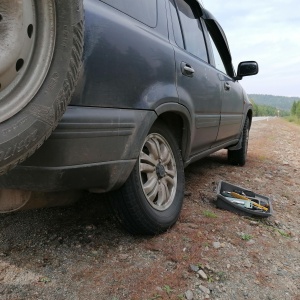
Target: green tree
(298, 110)
(266, 110)
(255, 108)
(294, 108)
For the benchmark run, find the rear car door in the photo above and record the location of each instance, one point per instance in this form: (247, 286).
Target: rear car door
(128, 60)
(198, 84)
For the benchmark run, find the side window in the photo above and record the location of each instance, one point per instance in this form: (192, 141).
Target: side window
(144, 11)
(192, 28)
(218, 60)
(176, 25)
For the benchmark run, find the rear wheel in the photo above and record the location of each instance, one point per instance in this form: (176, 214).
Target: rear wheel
(151, 199)
(238, 157)
(41, 54)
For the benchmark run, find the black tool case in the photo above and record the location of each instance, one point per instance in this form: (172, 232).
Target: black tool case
(224, 202)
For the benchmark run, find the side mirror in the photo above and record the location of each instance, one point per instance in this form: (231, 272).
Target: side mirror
(246, 68)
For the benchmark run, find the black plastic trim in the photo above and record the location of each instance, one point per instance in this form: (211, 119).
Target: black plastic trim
(101, 177)
(92, 148)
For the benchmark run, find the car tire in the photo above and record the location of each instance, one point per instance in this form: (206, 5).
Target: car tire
(151, 199)
(41, 56)
(238, 157)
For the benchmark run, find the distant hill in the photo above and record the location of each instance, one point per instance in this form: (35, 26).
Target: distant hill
(280, 102)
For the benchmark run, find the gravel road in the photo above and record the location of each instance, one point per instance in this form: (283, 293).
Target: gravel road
(80, 252)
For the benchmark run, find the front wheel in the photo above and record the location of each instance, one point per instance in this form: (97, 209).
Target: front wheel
(238, 157)
(151, 199)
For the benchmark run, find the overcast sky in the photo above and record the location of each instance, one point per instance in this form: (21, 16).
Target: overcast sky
(267, 32)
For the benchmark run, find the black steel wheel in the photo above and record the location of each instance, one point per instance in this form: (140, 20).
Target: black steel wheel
(151, 199)
(239, 157)
(41, 55)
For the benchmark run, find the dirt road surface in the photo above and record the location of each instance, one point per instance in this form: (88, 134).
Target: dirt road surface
(80, 252)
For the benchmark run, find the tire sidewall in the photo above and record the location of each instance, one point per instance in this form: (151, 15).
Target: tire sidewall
(166, 218)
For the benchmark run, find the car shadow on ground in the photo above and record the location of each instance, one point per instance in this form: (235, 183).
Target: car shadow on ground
(91, 214)
(78, 230)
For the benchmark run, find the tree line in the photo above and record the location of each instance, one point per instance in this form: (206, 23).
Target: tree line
(280, 102)
(266, 110)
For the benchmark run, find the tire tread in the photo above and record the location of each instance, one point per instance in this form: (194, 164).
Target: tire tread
(133, 216)
(238, 157)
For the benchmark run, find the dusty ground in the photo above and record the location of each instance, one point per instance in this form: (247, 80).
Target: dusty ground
(80, 252)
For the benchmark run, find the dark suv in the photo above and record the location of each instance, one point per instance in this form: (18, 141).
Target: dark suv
(156, 92)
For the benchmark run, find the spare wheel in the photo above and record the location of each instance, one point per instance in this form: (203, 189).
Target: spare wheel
(40, 58)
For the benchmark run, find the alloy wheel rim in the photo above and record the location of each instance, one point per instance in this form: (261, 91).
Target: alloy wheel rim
(158, 173)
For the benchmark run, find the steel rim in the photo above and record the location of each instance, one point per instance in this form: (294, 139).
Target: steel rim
(158, 173)
(27, 34)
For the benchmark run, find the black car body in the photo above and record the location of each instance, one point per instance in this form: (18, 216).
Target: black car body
(144, 61)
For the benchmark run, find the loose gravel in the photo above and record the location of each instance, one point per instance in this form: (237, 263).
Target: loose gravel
(80, 252)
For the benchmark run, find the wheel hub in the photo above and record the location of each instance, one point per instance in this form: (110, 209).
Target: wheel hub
(160, 171)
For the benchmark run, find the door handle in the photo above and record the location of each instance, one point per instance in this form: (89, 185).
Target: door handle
(227, 86)
(186, 69)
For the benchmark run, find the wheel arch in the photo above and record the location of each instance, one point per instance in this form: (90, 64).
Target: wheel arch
(179, 121)
(239, 144)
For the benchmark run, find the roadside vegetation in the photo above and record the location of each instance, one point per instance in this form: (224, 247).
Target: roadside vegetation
(292, 115)
(280, 102)
(266, 110)
(295, 113)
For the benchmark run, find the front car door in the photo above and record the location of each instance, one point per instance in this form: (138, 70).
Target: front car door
(232, 109)
(198, 84)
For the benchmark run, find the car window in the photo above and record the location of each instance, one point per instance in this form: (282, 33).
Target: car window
(192, 29)
(144, 11)
(218, 60)
(176, 25)
(219, 41)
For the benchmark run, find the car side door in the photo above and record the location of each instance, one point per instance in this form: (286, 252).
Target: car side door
(232, 108)
(198, 85)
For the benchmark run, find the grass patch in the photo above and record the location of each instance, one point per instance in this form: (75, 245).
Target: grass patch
(168, 289)
(293, 119)
(283, 233)
(274, 229)
(209, 214)
(155, 297)
(246, 237)
(262, 157)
